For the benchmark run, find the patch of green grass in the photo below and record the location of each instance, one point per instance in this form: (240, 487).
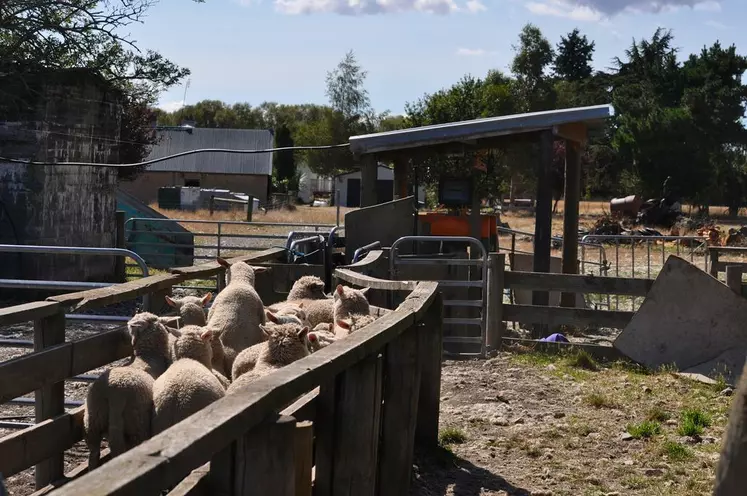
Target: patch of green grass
(676, 452)
(583, 360)
(693, 422)
(535, 358)
(658, 414)
(630, 367)
(598, 400)
(451, 435)
(644, 430)
(668, 368)
(720, 383)
(636, 482)
(533, 451)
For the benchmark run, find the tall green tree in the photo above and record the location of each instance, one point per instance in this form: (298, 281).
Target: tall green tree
(285, 165)
(532, 59)
(573, 57)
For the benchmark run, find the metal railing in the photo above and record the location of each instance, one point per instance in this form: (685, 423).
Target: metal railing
(317, 244)
(363, 250)
(480, 261)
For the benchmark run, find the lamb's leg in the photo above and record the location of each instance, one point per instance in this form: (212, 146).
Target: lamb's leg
(93, 441)
(116, 432)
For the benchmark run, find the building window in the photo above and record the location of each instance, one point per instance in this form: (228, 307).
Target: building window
(192, 183)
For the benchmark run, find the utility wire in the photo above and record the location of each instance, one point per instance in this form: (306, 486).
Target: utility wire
(177, 155)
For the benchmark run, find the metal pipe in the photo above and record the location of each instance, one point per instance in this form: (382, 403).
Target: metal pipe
(230, 222)
(298, 242)
(16, 343)
(37, 284)
(15, 425)
(360, 251)
(97, 318)
(31, 402)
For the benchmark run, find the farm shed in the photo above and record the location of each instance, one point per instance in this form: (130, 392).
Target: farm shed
(349, 186)
(248, 173)
(310, 183)
(571, 125)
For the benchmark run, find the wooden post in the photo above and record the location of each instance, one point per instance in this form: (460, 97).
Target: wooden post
(324, 432)
(430, 351)
(402, 384)
(401, 166)
(734, 278)
(543, 221)
(211, 204)
(249, 208)
(265, 460)
(497, 264)
(120, 269)
(349, 468)
(713, 269)
(570, 215)
(304, 453)
(50, 400)
(369, 178)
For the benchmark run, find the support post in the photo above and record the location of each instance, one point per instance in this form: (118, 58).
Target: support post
(430, 351)
(249, 208)
(263, 461)
(369, 178)
(401, 169)
(543, 221)
(50, 400)
(401, 387)
(211, 204)
(570, 215)
(120, 268)
(713, 269)
(304, 453)
(734, 278)
(497, 264)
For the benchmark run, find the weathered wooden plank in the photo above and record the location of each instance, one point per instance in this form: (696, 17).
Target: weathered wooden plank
(197, 483)
(265, 459)
(604, 353)
(357, 428)
(23, 449)
(579, 317)
(430, 353)
(163, 460)
(324, 431)
(578, 283)
(401, 388)
(74, 474)
(303, 449)
(33, 371)
(304, 408)
(373, 257)
(28, 311)
(371, 282)
(50, 399)
(210, 269)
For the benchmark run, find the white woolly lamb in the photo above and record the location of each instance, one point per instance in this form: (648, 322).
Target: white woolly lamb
(188, 385)
(150, 344)
(118, 405)
(320, 337)
(307, 288)
(285, 344)
(349, 301)
(237, 313)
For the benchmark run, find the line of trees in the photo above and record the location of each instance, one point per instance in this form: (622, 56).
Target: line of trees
(678, 117)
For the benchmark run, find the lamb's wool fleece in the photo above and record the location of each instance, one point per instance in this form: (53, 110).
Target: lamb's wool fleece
(345, 327)
(118, 405)
(150, 344)
(178, 303)
(320, 338)
(307, 288)
(190, 343)
(192, 313)
(283, 318)
(317, 311)
(285, 344)
(188, 385)
(236, 314)
(349, 301)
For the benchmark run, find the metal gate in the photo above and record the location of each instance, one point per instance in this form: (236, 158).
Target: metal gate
(478, 259)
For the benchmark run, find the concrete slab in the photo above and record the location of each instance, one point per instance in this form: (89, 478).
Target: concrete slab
(524, 263)
(688, 319)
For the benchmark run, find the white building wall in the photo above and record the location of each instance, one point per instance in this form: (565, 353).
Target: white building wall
(384, 173)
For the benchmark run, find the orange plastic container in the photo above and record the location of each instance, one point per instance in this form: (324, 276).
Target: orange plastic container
(453, 225)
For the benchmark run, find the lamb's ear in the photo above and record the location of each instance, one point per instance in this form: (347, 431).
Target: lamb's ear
(300, 305)
(175, 332)
(207, 335)
(171, 302)
(312, 337)
(259, 270)
(206, 299)
(223, 262)
(339, 290)
(303, 333)
(265, 331)
(364, 291)
(272, 317)
(344, 324)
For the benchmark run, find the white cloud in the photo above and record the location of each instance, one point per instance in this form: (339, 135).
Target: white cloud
(471, 52)
(595, 10)
(373, 7)
(716, 24)
(171, 106)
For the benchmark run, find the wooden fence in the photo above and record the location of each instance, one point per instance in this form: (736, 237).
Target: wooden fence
(369, 397)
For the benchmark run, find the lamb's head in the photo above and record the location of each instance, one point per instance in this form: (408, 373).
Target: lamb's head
(282, 318)
(240, 271)
(295, 311)
(307, 288)
(286, 343)
(148, 333)
(195, 300)
(349, 301)
(353, 323)
(320, 338)
(193, 342)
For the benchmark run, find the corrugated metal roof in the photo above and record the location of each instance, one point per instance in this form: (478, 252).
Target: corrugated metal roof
(178, 140)
(478, 128)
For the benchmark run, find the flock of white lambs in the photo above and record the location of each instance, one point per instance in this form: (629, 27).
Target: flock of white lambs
(176, 372)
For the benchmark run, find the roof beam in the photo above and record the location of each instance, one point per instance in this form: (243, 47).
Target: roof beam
(575, 131)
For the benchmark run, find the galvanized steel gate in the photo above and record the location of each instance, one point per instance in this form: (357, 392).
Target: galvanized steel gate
(478, 258)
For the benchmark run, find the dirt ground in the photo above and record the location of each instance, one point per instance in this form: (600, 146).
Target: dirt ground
(541, 425)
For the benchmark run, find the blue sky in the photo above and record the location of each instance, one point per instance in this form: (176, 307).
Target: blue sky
(280, 50)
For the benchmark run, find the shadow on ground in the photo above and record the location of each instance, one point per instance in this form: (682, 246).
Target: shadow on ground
(439, 472)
